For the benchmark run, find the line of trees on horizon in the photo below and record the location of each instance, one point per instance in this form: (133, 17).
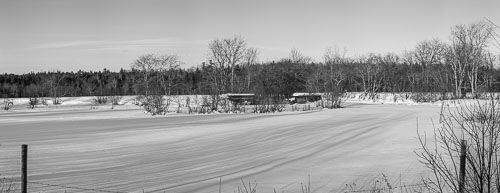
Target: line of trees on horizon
(465, 64)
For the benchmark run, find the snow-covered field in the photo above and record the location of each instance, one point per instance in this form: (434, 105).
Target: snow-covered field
(124, 150)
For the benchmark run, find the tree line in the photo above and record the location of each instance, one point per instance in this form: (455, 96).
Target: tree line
(464, 64)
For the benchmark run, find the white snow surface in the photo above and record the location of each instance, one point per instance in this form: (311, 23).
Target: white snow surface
(125, 150)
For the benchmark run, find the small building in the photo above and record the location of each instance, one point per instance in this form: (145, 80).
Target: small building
(242, 99)
(302, 98)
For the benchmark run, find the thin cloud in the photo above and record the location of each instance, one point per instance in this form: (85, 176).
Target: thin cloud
(66, 44)
(122, 44)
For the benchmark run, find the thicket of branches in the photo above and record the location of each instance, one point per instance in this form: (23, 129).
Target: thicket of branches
(478, 124)
(465, 64)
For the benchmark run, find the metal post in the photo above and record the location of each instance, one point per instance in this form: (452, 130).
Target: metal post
(24, 168)
(220, 184)
(463, 155)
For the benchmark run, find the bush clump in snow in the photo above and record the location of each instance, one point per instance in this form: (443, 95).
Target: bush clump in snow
(8, 104)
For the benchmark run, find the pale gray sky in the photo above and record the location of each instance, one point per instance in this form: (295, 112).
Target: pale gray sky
(69, 35)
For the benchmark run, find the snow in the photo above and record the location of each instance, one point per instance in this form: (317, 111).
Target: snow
(178, 102)
(239, 94)
(122, 149)
(305, 94)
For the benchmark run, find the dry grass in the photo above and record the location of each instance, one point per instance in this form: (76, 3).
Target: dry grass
(7, 185)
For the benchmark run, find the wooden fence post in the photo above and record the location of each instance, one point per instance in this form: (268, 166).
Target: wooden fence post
(463, 155)
(24, 168)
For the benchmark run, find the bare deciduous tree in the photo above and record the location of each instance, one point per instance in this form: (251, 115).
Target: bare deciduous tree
(226, 53)
(335, 55)
(250, 59)
(297, 57)
(156, 82)
(494, 34)
(408, 57)
(430, 52)
(369, 70)
(469, 44)
(425, 54)
(334, 75)
(150, 64)
(56, 88)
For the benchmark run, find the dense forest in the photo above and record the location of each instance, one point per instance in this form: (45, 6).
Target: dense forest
(466, 64)
(373, 74)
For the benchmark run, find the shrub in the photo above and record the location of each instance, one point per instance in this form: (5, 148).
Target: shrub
(178, 101)
(115, 100)
(7, 185)
(422, 97)
(332, 100)
(155, 104)
(56, 100)
(44, 101)
(138, 100)
(98, 100)
(33, 102)
(477, 123)
(250, 188)
(8, 104)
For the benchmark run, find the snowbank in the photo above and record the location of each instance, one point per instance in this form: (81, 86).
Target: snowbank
(405, 97)
(194, 103)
